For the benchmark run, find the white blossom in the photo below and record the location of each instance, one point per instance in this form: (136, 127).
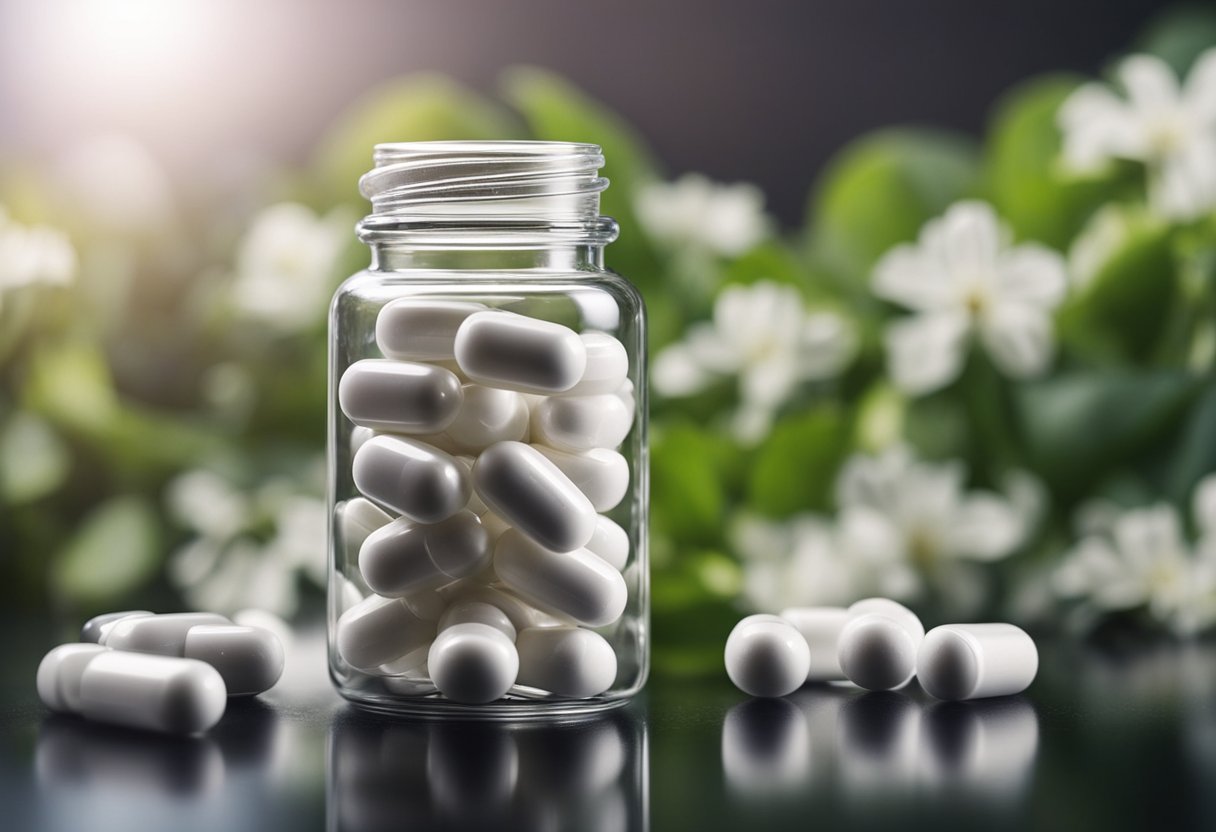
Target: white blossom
(1168, 126)
(963, 280)
(33, 254)
(766, 336)
(695, 213)
(286, 266)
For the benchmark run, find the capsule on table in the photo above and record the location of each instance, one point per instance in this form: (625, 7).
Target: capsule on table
(877, 647)
(601, 474)
(417, 329)
(581, 423)
(575, 585)
(515, 352)
(566, 661)
(973, 661)
(607, 365)
(98, 625)
(766, 656)
(472, 663)
(399, 396)
(488, 415)
(403, 558)
(821, 627)
(378, 630)
(164, 634)
(137, 690)
(528, 491)
(420, 482)
(610, 542)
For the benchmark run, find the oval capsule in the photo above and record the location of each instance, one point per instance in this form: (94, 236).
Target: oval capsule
(417, 329)
(567, 661)
(530, 493)
(249, 659)
(581, 423)
(477, 612)
(610, 542)
(521, 614)
(974, 661)
(602, 475)
(488, 415)
(820, 627)
(766, 656)
(876, 652)
(378, 630)
(607, 365)
(162, 634)
(404, 558)
(575, 585)
(356, 519)
(424, 484)
(472, 663)
(399, 396)
(98, 625)
(515, 352)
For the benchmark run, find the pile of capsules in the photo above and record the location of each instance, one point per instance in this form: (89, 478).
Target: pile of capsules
(877, 644)
(491, 438)
(172, 672)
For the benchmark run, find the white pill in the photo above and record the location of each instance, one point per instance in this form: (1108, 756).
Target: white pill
(477, 612)
(267, 620)
(399, 396)
(475, 504)
(876, 652)
(414, 329)
(404, 558)
(626, 395)
(972, 661)
(162, 634)
(424, 484)
(567, 661)
(416, 682)
(610, 542)
(486, 416)
(821, 627)
(891, 609)
(473, 663)
(528, 491)
(515, 352)
(580, 423)
(98, 624)
(249, 659)
(601, 474)
(766, 656)
(158, 693)
(429, 604)
(356, 519)
(576, 585)
(607, 365)
(521, 614)
(494, 524)
(378, 630)
(408, 665)
(358, 436)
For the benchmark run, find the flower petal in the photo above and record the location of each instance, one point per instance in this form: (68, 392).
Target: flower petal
(1150, 83)
(1033, 275)
(1200, 92)
(925, 352)
(985, 527)
(909, 277)
(1203, 505)
(971, 236)
(1019, 338)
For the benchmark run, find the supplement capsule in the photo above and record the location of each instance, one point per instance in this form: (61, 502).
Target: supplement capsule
(162, 634)
(877, 647)
(412, 329)
(97, 625)
(766, 656)
(973, 661)
(580, 423)
(404, 558)
(357, 518)
(515, 352)
(528, 491)
(399, 396)
(566, 661)
(610, 542)
(521, 615)
(821, 627)
(575, 585)
(602, 475)
(378, 630)
(137, 690)
(472, 663)
(477, 612)
(488, 415)
(607, 366)
(424, 484)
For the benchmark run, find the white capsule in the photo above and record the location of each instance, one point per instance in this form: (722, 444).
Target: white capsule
(580, 423)
(494, 524)
(162, 634)
(601, 474)
(424, 484)
(97, 625)
(891, 609)
(626, 395)
(523, 487)
(475, 504)
(416, 329)
(610, 542)
(876, 652)
(766, 656)
(607, 365)
(472, 663)
(358, 437)
(410, 664)
(488, 415)
(521, 614)
(821, 627)
(357, 518)
(157, 693)
(404, 558)
(567, 661)
(415, 682)
(378, 630)
(477, 612)
(428, 604)
(250, 659)
(515, 352)
(575, 585)
(399, 396)
(972, 661)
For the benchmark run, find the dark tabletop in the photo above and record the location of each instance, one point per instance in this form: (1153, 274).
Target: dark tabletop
(1109, 737)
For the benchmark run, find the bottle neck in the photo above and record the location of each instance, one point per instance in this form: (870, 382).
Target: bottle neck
(390, 256)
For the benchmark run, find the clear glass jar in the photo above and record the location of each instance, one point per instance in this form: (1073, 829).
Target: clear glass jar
(454, 505)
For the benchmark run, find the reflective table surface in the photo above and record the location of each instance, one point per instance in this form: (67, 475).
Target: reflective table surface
(1109, 737)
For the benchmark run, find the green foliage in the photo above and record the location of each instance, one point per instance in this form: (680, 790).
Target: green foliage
(794, 469)
(690, 474)
(33, 460)
(112, 553)
(1180, 35)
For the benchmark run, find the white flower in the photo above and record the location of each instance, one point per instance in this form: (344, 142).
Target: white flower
(695, 213)
(765, 335)
(962, 278)
(1169, 127)
(286, 265)
(32, 254)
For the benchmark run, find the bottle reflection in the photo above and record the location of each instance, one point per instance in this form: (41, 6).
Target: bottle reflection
(587, 775)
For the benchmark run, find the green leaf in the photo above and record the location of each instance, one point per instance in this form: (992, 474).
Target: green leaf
(113, 553)
(881, 189)
(1180, 35)
(1194, 454)
(33, 460)
(796, 466)
(70, 384)
(689, 472)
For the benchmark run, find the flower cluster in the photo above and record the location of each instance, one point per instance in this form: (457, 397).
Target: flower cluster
(33, 254)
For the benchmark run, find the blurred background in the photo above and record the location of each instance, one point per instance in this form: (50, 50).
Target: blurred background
(933, 291)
